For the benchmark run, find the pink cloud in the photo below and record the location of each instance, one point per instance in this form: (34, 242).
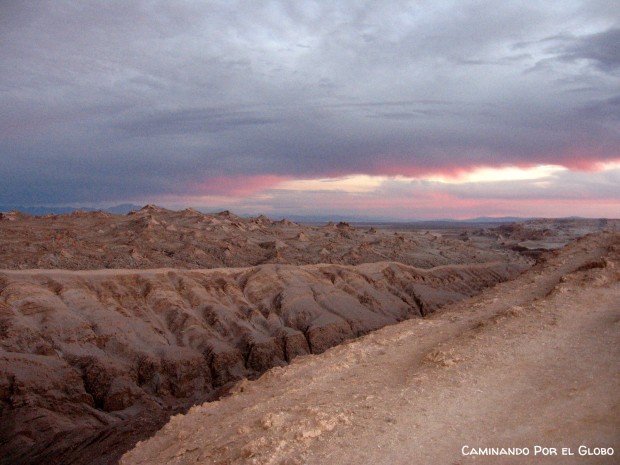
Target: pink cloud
(236, 186)
(408, 200)
(434, 204)
(590, 166)
(585, 158)
(414, 171)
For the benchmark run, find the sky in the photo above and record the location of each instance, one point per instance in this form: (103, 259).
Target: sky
(387, 109)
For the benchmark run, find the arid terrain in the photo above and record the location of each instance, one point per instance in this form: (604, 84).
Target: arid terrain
(154, 237)
(109, 324)
(531, 362)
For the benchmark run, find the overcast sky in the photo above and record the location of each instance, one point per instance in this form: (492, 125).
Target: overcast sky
(409, 109)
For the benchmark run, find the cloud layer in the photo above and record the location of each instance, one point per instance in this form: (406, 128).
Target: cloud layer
(197, 101)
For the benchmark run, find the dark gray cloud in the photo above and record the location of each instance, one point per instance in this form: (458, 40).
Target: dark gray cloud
(606, 110)
(601, 48)
(121, 100)
(199, 121)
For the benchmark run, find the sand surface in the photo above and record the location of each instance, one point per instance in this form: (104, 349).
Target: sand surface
(531, 362)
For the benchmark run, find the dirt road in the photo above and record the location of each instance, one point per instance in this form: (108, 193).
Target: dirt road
(532, 362)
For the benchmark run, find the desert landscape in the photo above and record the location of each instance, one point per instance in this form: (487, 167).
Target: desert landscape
(110, 324)
(530, 364)
(309, 232)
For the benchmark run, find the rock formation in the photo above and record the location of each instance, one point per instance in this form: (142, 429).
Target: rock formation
(88, 357)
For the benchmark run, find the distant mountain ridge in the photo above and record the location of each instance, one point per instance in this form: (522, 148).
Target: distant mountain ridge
(124, 208)
(497, 219)
(41, 210)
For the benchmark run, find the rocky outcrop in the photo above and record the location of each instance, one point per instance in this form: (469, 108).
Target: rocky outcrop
(87, 355)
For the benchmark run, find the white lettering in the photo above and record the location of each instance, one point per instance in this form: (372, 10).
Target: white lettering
(584, 450)
(467, 450)
(540, 450)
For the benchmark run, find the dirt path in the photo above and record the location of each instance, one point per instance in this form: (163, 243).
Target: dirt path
(533, 362)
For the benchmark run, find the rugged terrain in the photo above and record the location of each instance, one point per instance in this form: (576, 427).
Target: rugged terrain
(531, 362)
(154, 237)
(83, 351)
(111, 323)
(92, 359)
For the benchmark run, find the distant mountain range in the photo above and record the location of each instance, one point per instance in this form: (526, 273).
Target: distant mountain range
(39, 211)
(499, 219)
(127, 207)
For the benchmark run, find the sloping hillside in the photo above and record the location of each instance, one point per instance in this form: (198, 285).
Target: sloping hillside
(531, 362)
(90, 361)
